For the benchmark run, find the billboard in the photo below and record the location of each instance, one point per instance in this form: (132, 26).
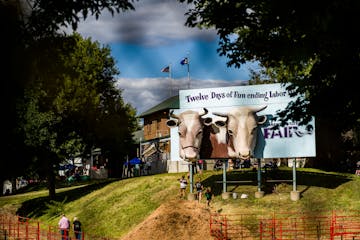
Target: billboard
(226, 105)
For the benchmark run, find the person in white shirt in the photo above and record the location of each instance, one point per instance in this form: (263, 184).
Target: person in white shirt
(64, 225)
(183, 185)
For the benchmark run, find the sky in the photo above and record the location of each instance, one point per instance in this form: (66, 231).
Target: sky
(152, 37)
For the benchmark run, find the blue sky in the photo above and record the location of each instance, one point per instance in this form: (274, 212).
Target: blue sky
(152, 37)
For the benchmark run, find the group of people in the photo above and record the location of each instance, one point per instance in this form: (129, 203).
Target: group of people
(64, 226)
(136, 170)
(199, 187)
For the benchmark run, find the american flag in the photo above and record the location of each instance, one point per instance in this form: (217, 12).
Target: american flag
(166, 69)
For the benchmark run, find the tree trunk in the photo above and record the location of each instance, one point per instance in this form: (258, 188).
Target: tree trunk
(51, 185)
(51, 177)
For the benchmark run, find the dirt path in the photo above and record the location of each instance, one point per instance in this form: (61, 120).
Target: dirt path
(175, 220)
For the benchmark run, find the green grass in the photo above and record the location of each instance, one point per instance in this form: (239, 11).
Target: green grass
(113, 207)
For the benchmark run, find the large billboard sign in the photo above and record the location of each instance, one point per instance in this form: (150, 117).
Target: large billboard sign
(236, 122)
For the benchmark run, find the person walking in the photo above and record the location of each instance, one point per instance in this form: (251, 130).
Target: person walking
(357, 171)
(183, 185)
(77, 228)
(199, 188)
(64, 226)
(208, 195)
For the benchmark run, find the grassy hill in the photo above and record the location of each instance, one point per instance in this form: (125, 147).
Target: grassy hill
(113, 207)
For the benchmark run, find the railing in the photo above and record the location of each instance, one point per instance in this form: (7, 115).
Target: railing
(16, 227)
(218, 226)
(298, 226)
(345, 227)
(333, 225)
(285, 226)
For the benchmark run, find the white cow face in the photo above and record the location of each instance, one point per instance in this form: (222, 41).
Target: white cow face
(241, 124)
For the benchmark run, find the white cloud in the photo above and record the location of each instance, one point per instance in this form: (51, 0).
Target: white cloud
(152, 23)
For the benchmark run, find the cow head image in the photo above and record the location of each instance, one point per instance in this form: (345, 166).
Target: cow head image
(241, 124)
(190, 129)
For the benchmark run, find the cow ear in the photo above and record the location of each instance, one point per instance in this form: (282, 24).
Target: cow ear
(261, 119)
(172, 123)
(207, 121)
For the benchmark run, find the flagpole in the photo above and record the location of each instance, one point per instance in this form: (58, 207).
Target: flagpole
(170, 79)
(188, 69)
(167, 69)
(187, 62)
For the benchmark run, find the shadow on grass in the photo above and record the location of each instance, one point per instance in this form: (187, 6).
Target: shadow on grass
(308, 179)
(37, 207)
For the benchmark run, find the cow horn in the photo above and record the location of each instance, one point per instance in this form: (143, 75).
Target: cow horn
(258, 108)
(205, 111)
(220, 114)
(173, 115)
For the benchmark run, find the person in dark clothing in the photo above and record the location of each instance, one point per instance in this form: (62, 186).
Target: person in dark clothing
(77, 228)
(199, 188)
(208, 195)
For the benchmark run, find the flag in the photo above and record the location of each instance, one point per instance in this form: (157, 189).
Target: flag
(184, 61)
(166, 69)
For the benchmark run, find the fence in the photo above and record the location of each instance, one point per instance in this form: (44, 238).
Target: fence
(283, 226)
(16, 227)
(278, 226)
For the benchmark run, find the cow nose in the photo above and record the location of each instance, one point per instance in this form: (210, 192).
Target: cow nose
(245, 155)
(190, 152)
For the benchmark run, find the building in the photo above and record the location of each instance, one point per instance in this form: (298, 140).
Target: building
(154, 146)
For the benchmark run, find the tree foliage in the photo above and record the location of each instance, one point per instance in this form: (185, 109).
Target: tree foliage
(72, 101)
(57, 89)
(314, 45)
(310, 44)
(44, 18)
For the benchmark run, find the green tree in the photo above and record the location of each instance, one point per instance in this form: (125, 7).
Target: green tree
(72, 104)
(313, 45)
(26, 25)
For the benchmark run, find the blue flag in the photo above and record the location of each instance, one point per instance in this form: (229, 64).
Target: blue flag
(184, 61)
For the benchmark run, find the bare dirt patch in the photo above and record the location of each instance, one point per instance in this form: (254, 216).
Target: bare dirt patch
(175, 220)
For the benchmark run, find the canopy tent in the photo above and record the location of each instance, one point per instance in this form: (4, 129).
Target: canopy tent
(133, 161)
(66, 166)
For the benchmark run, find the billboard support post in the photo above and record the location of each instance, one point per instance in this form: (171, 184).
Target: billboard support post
(224, 175)
(259, 193)
(294, 175)
(191, 165)
(294, 194)
(259, 174)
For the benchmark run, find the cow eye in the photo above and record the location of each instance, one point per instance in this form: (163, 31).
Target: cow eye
(230, 132)
(200, 132)
(180, 134)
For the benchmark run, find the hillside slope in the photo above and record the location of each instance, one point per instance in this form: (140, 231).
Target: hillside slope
(149, 207)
